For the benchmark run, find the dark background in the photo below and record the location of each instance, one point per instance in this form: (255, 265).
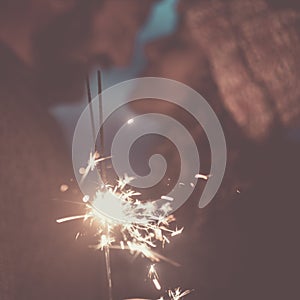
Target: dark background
(242, 56)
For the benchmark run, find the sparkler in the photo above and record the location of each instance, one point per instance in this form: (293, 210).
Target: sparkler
(138, 227)
(142, 229)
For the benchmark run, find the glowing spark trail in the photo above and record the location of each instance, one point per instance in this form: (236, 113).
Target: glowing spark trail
(167, 198)
(177, 294)
(154, 277)
(70, 218)
(202, 176)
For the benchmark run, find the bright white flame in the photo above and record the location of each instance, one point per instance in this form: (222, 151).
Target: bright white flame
(137, 226)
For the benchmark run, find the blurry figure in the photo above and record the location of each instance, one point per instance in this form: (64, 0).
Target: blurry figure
(243, 57)
(46, 50)
(249, 49)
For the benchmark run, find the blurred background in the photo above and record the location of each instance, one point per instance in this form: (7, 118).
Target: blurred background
(242, 56)
(162, 21)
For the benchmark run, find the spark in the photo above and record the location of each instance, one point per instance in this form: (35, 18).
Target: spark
(152, 274)
(93, 161)
(202, 176)
(177, 232)
(122, 182)
(105, 241)
(66, 219)
(82, 171)
(167, 198)
(63, 188)
(177, 294)
(86, 198)
(122, 245)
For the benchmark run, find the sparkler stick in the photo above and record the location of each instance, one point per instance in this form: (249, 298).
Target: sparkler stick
(100, 119)
(103, 173)
(91, 107)
(102, 149)
(108, 271)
